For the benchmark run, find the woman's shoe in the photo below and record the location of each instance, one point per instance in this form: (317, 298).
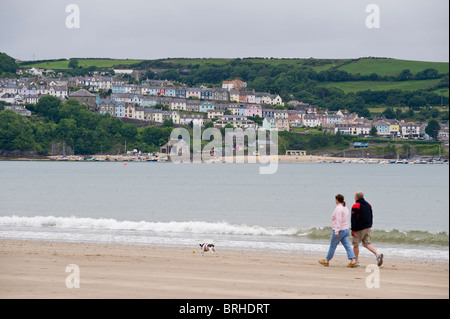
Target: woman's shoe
(324, 262)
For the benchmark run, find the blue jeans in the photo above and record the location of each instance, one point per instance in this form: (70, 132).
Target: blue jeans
(344, 238)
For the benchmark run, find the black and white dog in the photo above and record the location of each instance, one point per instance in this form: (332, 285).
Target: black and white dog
(207, 247)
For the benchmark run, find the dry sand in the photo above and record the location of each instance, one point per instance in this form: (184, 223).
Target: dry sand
(31, 269)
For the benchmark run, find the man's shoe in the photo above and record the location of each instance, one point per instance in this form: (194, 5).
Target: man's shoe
(380, 260)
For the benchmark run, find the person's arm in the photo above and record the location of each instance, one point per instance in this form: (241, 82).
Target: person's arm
(355, 215)
(335, 224)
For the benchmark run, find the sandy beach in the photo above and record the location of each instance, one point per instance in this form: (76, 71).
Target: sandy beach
(31, 269)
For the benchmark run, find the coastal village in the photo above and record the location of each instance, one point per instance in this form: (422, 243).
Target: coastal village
(233, 105)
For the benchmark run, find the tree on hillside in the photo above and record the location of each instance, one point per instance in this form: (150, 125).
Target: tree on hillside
(389, 113)
(405, 75)
(7, 64)
(435, 113)
(73, 63)
(417, 101)
(433, 129)
(49, 107)
(427, 74)
(373, 132)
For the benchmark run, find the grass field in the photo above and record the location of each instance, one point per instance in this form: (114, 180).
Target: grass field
(355, 86)
(85, 63)
(364, 66)
(389, 67)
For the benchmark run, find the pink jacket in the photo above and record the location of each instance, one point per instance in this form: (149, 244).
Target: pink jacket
(340, 218)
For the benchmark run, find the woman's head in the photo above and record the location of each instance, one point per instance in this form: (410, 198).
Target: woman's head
(340, 199)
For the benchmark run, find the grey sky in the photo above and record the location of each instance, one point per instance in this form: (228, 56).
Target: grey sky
(410, 29)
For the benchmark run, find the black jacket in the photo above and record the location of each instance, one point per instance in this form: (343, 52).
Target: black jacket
(362, 216)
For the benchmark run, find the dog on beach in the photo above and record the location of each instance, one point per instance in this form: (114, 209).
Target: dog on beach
(207, 247)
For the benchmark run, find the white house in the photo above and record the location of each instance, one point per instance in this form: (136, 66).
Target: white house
(196, 119)
(311, 120)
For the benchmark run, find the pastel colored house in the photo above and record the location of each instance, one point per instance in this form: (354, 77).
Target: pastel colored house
(276, 100)
(59, 91)
(139, 113)
(295, 121)
(153, 90)
(118, 88)
(394, 128)
(175, 116)
(206, 106)
(234, 96)
(170, 91)
(220, 94)
(282, 124)
(193, 93)
(193, 105)
(178, 104)
(212, 114)
(268, 112)
(410, 129)
(269, 124)
(234, 85)
(253, 110)
(280, 114)
(196, 119)
(247, 97)
(129, 111)
(206, 94)
(180, 92)
(383, 128)
(263, 98)
(310, 120)
(119, 110)
(145, 89)
(334, 119)
(236, 121)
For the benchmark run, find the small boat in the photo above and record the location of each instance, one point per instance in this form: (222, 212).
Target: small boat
(63, 159)
(152, 160)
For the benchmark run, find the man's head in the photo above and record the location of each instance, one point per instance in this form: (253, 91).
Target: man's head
(359, 195)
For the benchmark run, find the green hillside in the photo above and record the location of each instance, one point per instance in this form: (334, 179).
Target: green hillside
(364, 66)
(85, 63)
(356, 86)
(389, 67)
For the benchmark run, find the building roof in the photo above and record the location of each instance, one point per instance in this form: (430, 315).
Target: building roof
(82, 93)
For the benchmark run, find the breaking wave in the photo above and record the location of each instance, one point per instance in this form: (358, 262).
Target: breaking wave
(394, 236)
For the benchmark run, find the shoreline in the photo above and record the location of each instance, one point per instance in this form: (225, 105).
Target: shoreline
(281, 159)
(37, 269)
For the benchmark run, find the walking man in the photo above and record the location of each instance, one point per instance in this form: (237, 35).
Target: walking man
(361, 220)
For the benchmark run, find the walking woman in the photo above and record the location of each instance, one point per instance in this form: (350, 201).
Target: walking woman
(340, 221)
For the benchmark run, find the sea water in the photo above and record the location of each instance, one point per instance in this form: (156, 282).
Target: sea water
(230, 205)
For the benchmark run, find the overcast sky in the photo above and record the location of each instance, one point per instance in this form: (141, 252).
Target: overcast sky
(151, 29)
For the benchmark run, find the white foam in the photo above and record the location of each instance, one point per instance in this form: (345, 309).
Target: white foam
(194, 227)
